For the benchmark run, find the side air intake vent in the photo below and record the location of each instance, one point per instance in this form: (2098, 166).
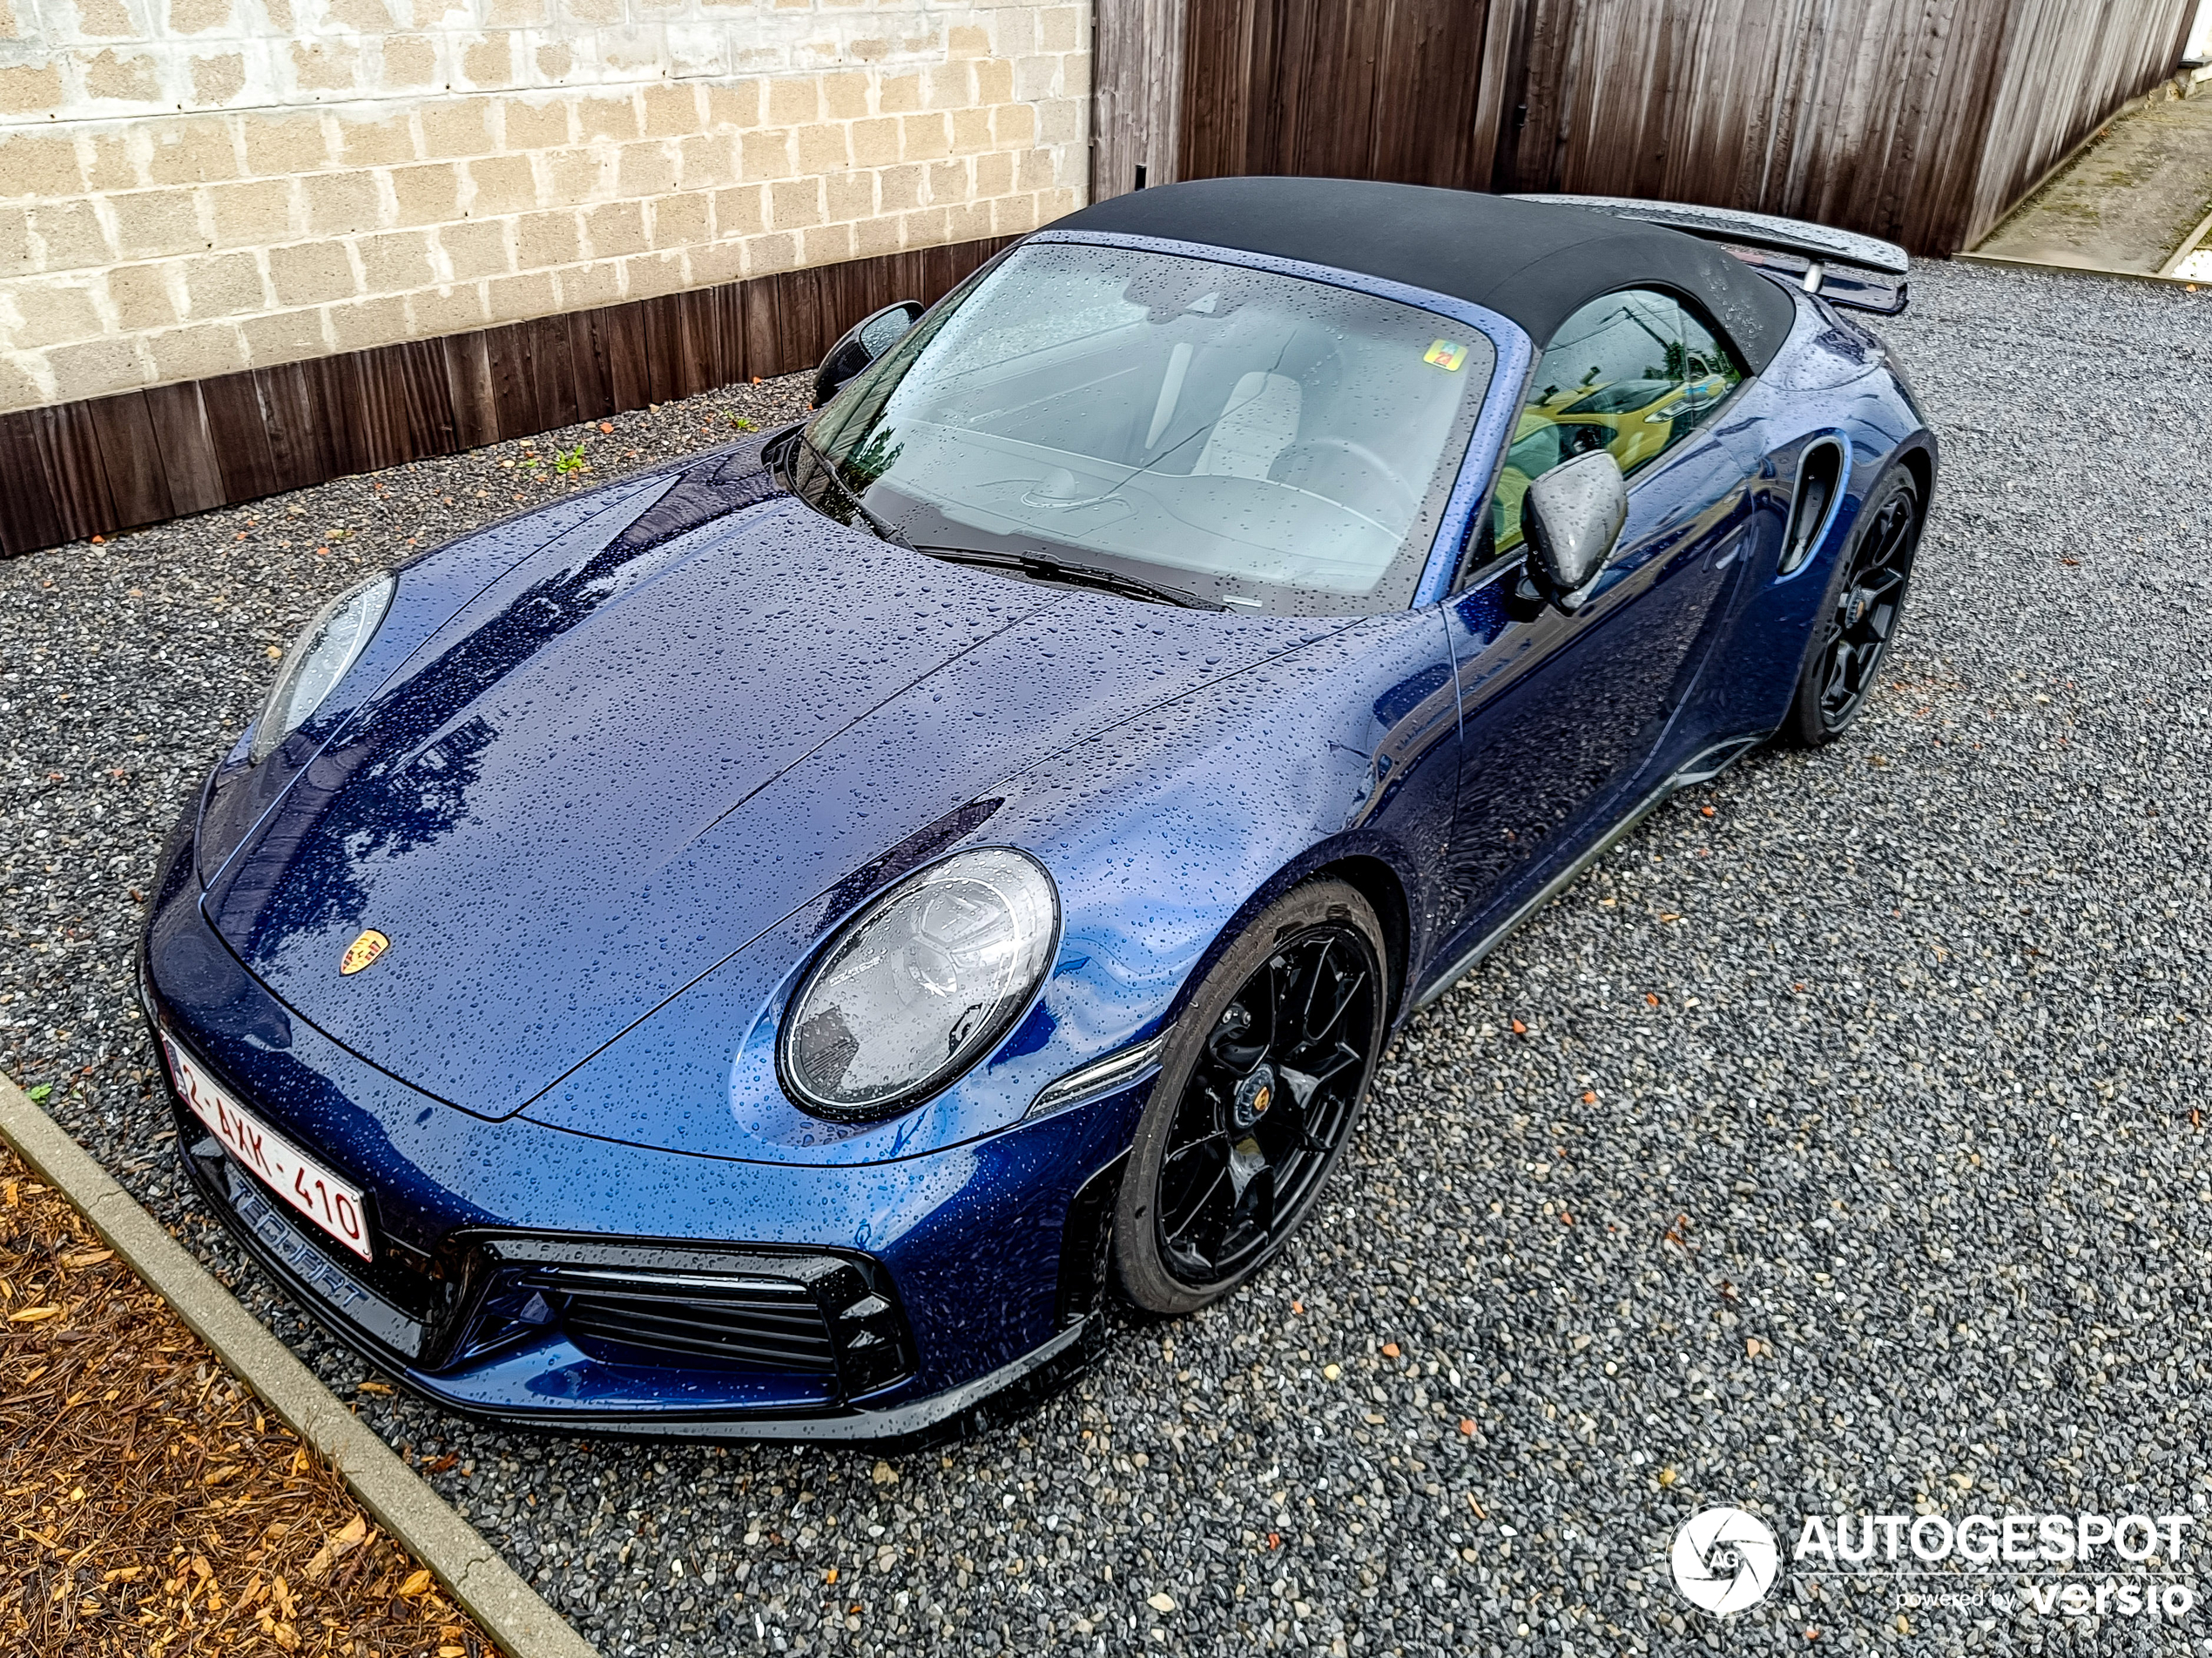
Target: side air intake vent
(1820, 473)
(833, 1317)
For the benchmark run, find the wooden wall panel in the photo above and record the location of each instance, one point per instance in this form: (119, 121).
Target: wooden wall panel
(513, 387)
(94, 468)
(303, 433)
(67, 445)
(137, 485)
(1361, 89)
(1136, 94)
(181, 437)
(422, 399)
(328, 397)
(553, 396)
(243, 453)
(760, 323)
(466, 360)
(30, 514)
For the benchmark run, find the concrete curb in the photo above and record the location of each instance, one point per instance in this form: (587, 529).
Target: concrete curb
(503, 1606)
(2002, 262)
(2190, 244)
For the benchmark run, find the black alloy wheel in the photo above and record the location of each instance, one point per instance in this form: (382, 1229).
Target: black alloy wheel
(1860, 617)
(1255, 1102)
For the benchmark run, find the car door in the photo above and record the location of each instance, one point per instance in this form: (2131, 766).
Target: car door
(1564, 719)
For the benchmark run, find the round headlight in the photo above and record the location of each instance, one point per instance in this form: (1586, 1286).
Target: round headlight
(327, 647)
(920, 985)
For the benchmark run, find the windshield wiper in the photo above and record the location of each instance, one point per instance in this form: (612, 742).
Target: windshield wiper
(1039, 568)
(1033, 565)
(884, 528)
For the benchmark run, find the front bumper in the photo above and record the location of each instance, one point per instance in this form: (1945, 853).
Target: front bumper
(535, 1275)
(668, 1404)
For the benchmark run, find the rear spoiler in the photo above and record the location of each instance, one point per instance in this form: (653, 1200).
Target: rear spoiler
(1873, 277)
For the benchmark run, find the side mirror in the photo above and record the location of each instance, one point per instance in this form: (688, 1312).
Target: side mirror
(862, 344)
(1572, 516)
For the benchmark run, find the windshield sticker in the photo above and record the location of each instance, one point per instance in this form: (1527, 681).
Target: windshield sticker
(1445, 354)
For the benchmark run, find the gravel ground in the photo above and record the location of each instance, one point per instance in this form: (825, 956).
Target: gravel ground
(1837, 1150)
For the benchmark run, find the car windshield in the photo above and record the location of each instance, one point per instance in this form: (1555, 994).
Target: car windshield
(1247, 438)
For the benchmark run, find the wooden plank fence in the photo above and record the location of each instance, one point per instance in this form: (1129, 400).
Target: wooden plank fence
(1355, 89)
(113, 463)
(1918, 120)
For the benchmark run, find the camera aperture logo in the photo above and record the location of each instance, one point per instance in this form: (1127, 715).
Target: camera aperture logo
(1724, 1559)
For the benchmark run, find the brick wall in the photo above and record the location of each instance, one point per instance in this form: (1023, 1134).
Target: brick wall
(191, 187)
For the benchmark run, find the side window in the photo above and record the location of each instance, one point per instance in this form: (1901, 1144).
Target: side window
(1635, 373)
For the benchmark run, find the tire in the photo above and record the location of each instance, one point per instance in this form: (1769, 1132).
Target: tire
(1232, 1154)
(1858, 616)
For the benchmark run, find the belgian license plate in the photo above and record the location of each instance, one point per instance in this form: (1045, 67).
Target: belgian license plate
(304, 1185)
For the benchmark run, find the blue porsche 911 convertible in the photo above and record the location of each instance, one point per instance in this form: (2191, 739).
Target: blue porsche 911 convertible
(766, 946)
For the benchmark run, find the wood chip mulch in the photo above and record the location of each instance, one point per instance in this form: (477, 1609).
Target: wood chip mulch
(147, 1505)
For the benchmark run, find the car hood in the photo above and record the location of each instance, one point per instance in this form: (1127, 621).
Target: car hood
(617, 766)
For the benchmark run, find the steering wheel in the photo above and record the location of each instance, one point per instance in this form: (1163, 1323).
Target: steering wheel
(1351, 462)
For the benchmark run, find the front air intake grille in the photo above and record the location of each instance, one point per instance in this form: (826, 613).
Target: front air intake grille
(748, 1323)
(766, 1313)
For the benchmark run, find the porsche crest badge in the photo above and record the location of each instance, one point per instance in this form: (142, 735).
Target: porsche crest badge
(361, 952)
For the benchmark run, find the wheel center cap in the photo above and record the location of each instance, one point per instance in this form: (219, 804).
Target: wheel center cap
(1254, 1095)
(1855, 613)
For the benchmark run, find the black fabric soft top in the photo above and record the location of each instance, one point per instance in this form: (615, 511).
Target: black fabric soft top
(1534, 263)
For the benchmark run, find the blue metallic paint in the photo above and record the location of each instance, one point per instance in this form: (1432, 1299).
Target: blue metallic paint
(439, 1176)
(601, 782)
